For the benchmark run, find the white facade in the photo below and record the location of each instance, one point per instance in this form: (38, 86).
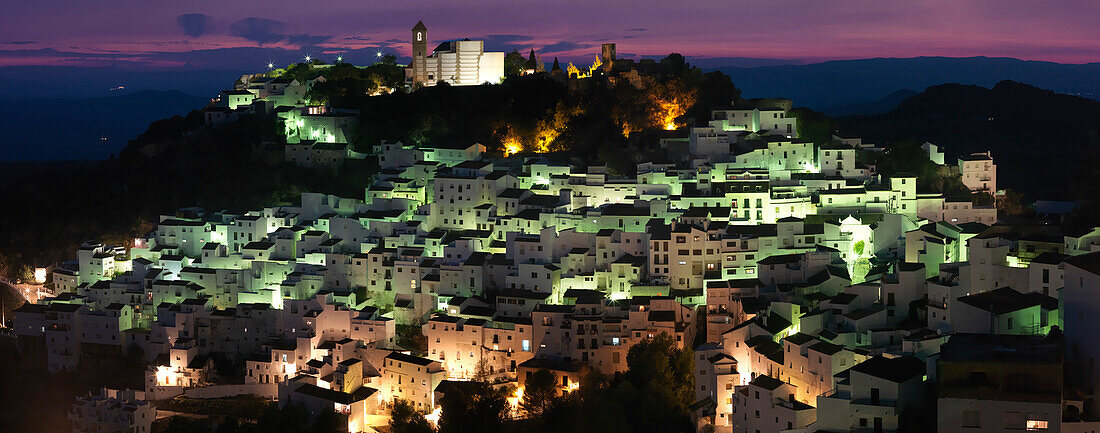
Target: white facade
(978, 172)
(458, 63)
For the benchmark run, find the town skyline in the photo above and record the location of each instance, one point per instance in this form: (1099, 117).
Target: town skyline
(512, 217)
(211, 35)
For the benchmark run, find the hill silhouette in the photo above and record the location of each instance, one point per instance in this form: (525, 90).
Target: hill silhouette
(883, 105)
(1042, 141)
(823, 86)
(74, 129)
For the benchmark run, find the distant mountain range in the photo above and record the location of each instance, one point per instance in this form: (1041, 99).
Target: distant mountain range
(836, 87)
(74, 82)
(883, 105)
(1043, 142)
(89, 128)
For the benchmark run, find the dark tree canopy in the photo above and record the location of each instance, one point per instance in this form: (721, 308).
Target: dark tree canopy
(539, 392)
(404, 418)
(477, 408)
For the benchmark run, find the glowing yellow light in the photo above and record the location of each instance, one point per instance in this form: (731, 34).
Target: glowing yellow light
(165, 375)
(307, 58)
(40, 275)
(574, 71)
(511, 143)
(515, 398)
(671, 101)
(270, 65)
(434, 416)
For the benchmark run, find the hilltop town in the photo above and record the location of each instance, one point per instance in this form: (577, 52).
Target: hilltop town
(802, 288)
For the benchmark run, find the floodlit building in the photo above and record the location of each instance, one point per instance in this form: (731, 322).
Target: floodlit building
(1000, 383)
(879, 394)
(458, 63)
(978, 172)
(767, 404)
(112, 410)
(412, 378)
(813, 290)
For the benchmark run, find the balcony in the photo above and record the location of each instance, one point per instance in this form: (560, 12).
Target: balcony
(838, 393)
(876, 403)
(718, 318)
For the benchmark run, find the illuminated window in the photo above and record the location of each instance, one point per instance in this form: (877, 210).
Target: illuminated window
(1036, 425)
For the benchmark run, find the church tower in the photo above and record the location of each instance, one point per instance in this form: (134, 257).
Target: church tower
(419, 52)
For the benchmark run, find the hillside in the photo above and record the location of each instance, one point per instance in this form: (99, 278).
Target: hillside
(1042, 141)
(74, 129)
(824, 86)
(883, 105)
(177, 162)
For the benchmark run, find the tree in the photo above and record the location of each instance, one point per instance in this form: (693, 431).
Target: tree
(814, 126)
(180, 424)
(412, 338)
(539, 392)
(1012, 204)
(674, 64)
(659, 387)
(387, 59)
(404, 418)
(514, 64)
(658, 361)
(328, 421)
(483, 369)
(983, 198)
(229, 424)
(478, 407)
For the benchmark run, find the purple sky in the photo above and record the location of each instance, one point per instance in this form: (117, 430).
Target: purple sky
(232, 33)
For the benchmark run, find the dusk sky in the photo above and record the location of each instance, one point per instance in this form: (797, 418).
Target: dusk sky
(229, 34)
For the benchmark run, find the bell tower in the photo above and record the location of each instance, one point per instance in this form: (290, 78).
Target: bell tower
(419, 52)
